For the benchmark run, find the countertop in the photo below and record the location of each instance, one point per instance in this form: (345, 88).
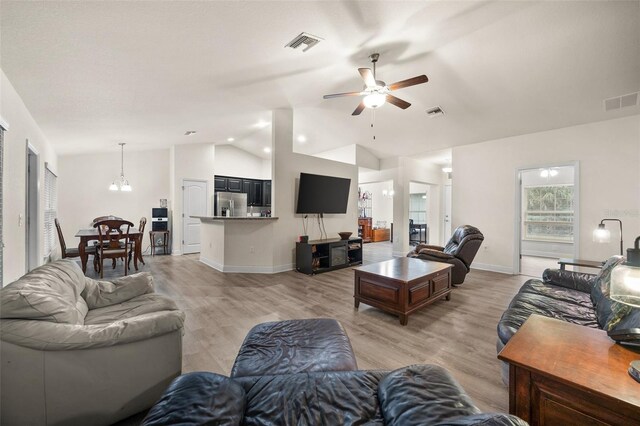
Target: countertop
(215, 218)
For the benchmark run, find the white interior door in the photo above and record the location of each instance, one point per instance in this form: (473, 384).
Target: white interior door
(447, 214)
(194, 204)
(32, 209)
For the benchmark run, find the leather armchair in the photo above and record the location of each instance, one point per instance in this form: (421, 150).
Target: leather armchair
(75, 350)
(459, 251)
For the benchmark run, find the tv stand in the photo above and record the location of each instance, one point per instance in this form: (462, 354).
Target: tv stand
(318, 256)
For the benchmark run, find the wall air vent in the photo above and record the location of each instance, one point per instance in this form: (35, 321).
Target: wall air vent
(434, 112)
(623, 101)
(306, 39)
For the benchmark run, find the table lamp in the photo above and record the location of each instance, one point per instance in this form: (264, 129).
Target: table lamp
(603, 235)
(625, 288)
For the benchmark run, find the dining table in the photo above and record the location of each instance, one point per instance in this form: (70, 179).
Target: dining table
(91, 234)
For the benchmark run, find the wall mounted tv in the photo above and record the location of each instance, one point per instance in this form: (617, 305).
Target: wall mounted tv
(322, 194)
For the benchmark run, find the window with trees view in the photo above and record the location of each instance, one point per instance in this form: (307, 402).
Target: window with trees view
(548, 213)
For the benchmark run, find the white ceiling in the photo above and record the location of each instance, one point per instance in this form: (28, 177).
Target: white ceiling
(95, 73)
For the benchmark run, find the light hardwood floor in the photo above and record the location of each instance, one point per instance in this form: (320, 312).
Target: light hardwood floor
(459, 335)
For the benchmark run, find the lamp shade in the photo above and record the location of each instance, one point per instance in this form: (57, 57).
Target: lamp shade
(601, 234)
(625, 284)
(374, 100)
(113, 187)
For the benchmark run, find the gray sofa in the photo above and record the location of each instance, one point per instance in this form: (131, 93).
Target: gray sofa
(79, 351)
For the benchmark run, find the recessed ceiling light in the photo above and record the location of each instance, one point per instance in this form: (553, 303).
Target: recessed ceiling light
(230, 139)
(189, 132)
(262, 124)
(302, 138)
(267, 149)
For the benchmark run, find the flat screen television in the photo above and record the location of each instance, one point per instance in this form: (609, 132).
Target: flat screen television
(322, 194)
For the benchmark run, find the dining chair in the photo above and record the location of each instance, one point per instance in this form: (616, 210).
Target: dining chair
(101, 218)
(137, 240)
(113, 241)
(74, 252)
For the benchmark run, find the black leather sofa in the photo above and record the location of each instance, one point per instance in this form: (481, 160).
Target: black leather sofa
(459, 251)
(296, 391)
(574, 297)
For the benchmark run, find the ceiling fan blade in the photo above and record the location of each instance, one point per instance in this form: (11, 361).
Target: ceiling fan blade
(339, 95)
(409, 82)
(367, 76)
(358, 109)
(398, 102)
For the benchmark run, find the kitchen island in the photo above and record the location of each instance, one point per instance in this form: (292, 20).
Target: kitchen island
(237, 243)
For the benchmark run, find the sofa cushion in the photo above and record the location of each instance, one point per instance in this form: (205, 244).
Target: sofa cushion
(422, 394)
(536, 297)
(318, 398)
(600, 291)
(285, 347)
(99, 294)
(48, 293)
(199, 399)
(145, 304)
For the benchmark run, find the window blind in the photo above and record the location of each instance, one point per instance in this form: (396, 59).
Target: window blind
(50, 210)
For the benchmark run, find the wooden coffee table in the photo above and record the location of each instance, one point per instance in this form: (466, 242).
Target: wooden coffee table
(402, 285)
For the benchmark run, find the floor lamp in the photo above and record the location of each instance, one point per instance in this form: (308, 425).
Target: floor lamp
(603, 235)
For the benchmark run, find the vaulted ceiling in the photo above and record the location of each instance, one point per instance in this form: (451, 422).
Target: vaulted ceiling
(95, 73)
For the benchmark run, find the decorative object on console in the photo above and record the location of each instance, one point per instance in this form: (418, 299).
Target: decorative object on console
(625, 288)
(122, 183)
(345, 235)
(163, 203)
(603, 235)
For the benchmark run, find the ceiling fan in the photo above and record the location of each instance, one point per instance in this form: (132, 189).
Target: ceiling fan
(376, 92)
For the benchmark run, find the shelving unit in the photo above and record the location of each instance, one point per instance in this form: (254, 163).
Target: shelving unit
(316, 257)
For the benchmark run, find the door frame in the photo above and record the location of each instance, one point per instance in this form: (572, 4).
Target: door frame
(31, 223)
(206, 204)
(445, 239)
(517, 242)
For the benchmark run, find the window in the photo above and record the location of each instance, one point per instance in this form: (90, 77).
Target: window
(50, 210)
(548, 213)
(418, 208)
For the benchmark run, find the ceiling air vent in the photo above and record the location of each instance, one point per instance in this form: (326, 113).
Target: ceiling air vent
(306, 39)
(434, 112)
(623, 101)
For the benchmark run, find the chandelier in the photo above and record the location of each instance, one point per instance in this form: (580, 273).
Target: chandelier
(121, 184)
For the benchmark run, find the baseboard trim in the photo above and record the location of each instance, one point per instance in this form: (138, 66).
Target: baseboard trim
(246, 269)
(492, 268)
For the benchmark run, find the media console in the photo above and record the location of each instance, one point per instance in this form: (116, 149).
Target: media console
(316, 257)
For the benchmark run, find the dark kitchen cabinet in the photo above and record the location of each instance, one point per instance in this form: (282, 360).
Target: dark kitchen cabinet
(253, 189)
(219, 183)
(234, 184)
(266, 193)
(227, 184)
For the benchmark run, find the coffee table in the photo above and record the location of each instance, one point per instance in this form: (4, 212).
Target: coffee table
(402, 285)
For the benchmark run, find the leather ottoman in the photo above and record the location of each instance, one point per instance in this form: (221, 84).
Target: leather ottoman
(294, 346)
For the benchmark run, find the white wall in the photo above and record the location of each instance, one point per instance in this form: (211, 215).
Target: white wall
(22, 127)
(608, 153)
(344, 154)
(287, 166)
(232, 161)
(83, 188)
(195, 161)
(381, 206)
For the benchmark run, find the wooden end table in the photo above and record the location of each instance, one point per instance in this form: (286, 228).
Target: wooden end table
(566, 374)
(580, 262)
(165, 241)
(402, 285)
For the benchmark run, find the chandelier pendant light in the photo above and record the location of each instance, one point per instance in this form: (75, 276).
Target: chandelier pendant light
(121, 184)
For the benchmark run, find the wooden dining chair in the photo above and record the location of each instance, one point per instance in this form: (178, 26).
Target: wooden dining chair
(113, 241)
(101, 218)
(74, 252)
(138, 240)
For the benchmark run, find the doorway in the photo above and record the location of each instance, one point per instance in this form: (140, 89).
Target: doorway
(547, 217)
(194, 203)
(31, 209)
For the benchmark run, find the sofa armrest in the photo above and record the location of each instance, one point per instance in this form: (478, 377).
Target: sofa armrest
(51, 336)
(99, 294)
(199, 399)
(428, 246)
(574, 280)
(486, 419)
(434, 255)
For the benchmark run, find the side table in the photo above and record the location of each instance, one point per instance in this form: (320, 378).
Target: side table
(567, 374)
(165, 241)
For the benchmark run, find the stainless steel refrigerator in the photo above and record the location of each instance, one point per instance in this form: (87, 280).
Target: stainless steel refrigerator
(231, 204)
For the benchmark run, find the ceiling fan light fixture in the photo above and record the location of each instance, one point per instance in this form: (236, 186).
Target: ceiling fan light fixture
(374, 100)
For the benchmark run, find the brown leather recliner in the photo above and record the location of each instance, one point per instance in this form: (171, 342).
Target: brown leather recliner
(459, 251)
